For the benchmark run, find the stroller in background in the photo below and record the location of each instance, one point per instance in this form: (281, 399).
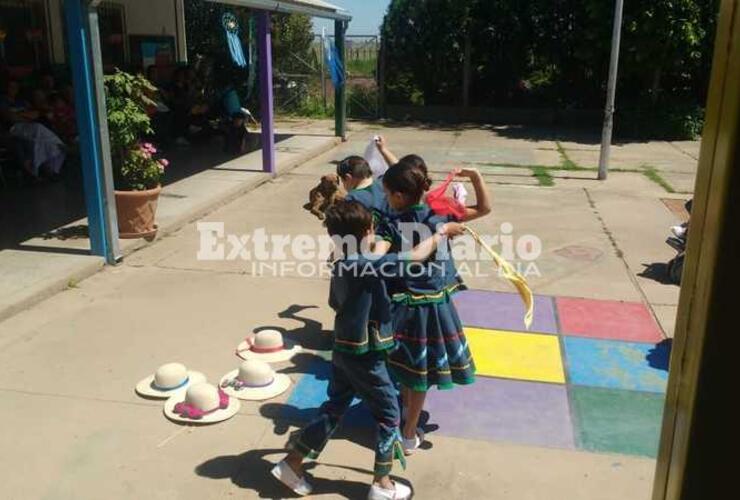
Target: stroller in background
(677, 241)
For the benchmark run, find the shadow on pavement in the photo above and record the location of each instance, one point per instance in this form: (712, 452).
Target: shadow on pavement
(657, 271)
(251, 471)
(357, 426)
(659, 357)
(311, 335)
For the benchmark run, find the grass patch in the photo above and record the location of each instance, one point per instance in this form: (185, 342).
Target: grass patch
(506, 165)
(362, 67)
(652, 174)
(565, 162)
(542, 174)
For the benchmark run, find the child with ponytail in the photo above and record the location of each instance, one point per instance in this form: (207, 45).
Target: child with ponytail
(431, 346)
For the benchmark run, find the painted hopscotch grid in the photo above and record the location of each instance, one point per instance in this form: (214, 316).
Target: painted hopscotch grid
(590, 375)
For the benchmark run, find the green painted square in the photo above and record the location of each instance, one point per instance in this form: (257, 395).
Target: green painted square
(617, 421)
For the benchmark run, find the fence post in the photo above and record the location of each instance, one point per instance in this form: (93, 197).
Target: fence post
(322, 54)
(340, 97)
(381, 78)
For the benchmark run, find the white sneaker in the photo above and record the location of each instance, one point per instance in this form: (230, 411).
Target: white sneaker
(409, 445)
(285, 475)
(400, 492)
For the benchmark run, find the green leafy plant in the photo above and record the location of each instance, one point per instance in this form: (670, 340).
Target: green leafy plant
(135, 163)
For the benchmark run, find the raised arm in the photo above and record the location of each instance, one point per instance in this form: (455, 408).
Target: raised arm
(426, 248)
(382, 146)
(482, 199)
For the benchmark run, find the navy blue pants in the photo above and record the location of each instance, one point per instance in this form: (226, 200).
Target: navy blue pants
(366, 377)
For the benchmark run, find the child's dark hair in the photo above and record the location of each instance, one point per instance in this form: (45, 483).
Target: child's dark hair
(407, 179)
(415, 161)
(348, 218)
(356, 166)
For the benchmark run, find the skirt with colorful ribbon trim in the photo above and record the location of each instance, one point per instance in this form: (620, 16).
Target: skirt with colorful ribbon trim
(431, 345)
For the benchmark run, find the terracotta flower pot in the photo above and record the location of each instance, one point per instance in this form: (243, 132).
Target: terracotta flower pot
(136, 212)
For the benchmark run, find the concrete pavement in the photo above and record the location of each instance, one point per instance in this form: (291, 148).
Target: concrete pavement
(60, 258)
(68, 365)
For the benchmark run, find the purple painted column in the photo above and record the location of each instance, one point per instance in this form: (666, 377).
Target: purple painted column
(264, 49)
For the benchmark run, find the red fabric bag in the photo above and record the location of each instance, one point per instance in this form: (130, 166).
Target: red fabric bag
(442, 204)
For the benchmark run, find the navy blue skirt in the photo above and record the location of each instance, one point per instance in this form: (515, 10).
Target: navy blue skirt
(431, 348)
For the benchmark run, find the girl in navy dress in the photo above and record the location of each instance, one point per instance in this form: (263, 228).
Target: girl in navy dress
(431, 346)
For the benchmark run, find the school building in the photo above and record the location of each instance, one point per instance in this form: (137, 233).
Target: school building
(92, 37)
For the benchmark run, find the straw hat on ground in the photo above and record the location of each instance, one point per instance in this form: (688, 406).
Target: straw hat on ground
(267, 346)
(254, 380)
(168, 379)
(201, 404)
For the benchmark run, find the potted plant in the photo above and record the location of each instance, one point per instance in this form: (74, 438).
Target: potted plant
(137, 169)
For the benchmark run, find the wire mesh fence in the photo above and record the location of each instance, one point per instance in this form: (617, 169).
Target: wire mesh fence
(310, 90)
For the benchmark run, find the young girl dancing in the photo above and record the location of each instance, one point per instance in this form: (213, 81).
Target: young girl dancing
(432, 349)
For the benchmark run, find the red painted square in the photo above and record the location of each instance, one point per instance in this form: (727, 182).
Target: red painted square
(607, 319)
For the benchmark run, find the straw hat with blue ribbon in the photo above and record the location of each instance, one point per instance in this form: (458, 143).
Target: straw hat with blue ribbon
(167, 380)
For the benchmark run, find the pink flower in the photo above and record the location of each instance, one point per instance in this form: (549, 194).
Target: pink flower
(149, 148)
(165, 163)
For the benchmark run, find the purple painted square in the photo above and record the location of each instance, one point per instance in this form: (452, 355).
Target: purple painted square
(504, 311)
(504, 410)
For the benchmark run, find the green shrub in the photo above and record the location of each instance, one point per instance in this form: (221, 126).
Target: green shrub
(135, 166)
(666, 122)
(362, 102)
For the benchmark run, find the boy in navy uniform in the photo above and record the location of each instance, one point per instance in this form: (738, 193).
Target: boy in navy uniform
(363, 335)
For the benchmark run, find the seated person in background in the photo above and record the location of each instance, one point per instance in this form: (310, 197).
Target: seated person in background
(40, 104)
(63, 119)
(46, 82)
(38, 149)
(160, 113)
(68, 94)
(188, 114)
(13, 108)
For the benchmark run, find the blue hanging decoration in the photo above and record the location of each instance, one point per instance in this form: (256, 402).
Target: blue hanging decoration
(231, 29)
(334, 63)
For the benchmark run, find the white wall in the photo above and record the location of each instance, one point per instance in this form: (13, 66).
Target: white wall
(56, 27)
(150, 17)
(143, 17)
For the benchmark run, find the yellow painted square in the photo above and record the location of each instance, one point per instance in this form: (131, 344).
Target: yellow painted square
(522, 356)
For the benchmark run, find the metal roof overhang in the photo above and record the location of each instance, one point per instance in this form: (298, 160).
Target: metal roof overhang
(313, 8)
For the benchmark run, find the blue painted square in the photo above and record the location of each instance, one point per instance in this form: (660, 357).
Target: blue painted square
(613, 364)
(310, 392)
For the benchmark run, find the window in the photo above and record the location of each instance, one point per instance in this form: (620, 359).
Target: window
(24, 42)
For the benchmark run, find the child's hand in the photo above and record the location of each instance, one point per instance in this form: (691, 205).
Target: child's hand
(380, 142)
(468, 173)
(452, 229)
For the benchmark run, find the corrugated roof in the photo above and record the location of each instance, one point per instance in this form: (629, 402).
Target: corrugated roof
(314, 8)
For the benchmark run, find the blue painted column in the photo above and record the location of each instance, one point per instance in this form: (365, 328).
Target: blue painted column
(264, 50)
(103, 237)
